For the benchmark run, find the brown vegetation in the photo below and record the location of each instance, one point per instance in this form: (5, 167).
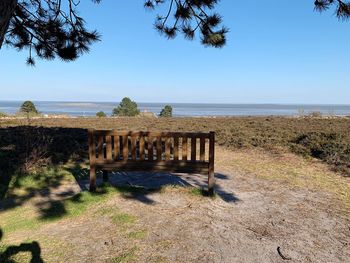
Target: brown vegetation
(327, 139)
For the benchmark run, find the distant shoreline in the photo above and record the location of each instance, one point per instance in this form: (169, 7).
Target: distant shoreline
(178, 117)
(85, 109)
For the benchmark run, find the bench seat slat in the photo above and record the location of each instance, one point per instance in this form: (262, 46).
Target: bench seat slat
(155, 166)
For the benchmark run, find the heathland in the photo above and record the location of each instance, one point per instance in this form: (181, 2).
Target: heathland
(327, 139)
(282, 192)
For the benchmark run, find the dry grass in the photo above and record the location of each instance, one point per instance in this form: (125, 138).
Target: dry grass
(120, 229)
(289, 169)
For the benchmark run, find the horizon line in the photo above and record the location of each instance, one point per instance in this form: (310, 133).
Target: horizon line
(161, 102)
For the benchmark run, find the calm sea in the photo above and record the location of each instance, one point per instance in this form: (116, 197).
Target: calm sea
(180, 109)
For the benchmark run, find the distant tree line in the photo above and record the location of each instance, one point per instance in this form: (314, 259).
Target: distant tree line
(129, 108)
(126, 108)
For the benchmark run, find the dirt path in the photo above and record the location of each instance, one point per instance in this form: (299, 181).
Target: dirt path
(250, 219)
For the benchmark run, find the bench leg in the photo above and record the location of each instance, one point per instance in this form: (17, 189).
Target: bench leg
(92, 179)
(105, 176)
(211, 183)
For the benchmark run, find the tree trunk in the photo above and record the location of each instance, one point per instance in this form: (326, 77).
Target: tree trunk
(7, 8)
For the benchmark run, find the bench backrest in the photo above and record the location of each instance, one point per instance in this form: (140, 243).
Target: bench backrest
(152, 151)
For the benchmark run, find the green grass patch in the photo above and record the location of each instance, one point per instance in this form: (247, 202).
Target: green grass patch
(18, 217)
(128, 256)
(118, 217)
(141, 234)
(76, 205)
(196, 191)
(123, 219)
(45, 178)
(200, 192)
(24, 218)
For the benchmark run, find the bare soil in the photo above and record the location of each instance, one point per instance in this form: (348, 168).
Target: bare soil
(258, 215)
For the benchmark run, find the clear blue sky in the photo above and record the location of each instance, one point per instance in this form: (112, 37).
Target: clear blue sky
(278, 51)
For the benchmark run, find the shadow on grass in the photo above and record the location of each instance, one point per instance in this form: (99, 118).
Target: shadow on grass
(141, 185)
(40, 184)
(137, 186)
(8, 252)
(78, 203)
(25, 147)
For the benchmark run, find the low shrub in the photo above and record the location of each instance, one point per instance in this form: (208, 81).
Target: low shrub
(315, 114)
(332, 148)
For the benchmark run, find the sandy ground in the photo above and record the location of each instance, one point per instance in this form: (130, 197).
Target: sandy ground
(251, 220)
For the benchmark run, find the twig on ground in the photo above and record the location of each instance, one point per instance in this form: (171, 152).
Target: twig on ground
(281, 255)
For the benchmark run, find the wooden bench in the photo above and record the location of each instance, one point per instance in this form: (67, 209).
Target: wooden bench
(180, 152)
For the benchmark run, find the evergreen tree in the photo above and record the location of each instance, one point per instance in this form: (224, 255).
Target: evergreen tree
(127, 107)
(167, 111)
(53, 28)
(101, 114)
(28, 107)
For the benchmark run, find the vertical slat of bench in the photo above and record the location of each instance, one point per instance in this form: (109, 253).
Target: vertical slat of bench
(133, 147)
(125, 148)
(167, 148)
(184, 148)
(92, 146)
(116, 146)
(159, 148)
(202, 149)
(100, 146)
(176, 148)
(142, 147)
(150, 148)
(193, 148)
(92, 157)
(211, 179)
(109, 147)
